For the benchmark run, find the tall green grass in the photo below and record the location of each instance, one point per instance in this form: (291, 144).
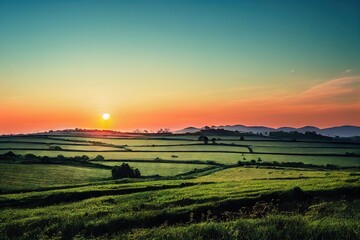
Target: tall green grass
(110, 209)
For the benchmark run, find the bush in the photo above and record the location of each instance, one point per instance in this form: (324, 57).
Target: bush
(240, 163)
(99, 158)
(45, 159)
(82, 158)
(203, 138)
(60, 157)
(125, 171)
(9, 154)
(30, 156)
(57, 148)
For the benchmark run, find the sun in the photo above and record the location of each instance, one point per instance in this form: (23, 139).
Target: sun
(106, 116)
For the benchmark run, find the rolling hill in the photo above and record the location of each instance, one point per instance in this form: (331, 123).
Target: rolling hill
(341, 131)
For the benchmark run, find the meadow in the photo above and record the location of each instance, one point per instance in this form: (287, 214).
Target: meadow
(227, 150)
(188, 189)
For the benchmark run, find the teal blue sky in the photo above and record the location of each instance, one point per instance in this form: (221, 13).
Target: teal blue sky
(318, 37)
(176, 48)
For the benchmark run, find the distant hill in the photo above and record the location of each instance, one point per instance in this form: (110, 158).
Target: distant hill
(286, 129)
(341, 131)
(189, 130)
(308, 129)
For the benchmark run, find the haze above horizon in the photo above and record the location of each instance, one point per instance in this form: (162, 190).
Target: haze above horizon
(174, 64)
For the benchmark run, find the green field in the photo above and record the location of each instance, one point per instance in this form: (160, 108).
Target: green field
(163, 169)
(116, 212)
(225, 158)
(320, 153)
(35, 176)
(181, 194)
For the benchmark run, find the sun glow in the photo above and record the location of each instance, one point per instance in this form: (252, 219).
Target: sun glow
(106, 116)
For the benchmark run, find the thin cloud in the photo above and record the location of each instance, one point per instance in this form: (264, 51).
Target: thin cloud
(335, 91)
(331, 91)
(348, 71)
(210, 92)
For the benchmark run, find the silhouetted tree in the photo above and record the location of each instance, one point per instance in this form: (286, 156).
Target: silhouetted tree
(30, 156)
(213, 140)
(137, 173)
(45, 159)
(99, 158)
(240, 163)
(10, 156)
(125, 171)
(55, 148)
(203, 138)
(242, 138)
(82, 158)
(276, 163)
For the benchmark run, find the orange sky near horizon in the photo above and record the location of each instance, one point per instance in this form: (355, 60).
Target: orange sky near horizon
(331, 103)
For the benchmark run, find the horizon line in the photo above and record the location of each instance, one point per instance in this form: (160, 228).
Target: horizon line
(141, 130)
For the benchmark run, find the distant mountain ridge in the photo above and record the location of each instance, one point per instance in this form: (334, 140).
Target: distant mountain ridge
(341, 131)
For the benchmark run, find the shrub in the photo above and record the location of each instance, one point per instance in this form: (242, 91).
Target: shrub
(57, 148)
(125, 171)
(45, 159)
(276, 163)
(203, 138)
(60, 157)
(99, 158)
(30, 156)
(9, 154)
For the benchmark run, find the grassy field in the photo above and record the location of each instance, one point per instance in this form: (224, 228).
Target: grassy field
(35, 176)
(162, 169)
(275, 226)
(263, 173)
(225, 158)
(187, 148)
(108, 210)
(80, 200)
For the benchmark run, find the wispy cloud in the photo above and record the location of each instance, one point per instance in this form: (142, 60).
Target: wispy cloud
(348, 71)
(332, 102)
(333, 92)
(336, 90)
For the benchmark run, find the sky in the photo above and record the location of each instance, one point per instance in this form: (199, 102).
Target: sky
(173, 64)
